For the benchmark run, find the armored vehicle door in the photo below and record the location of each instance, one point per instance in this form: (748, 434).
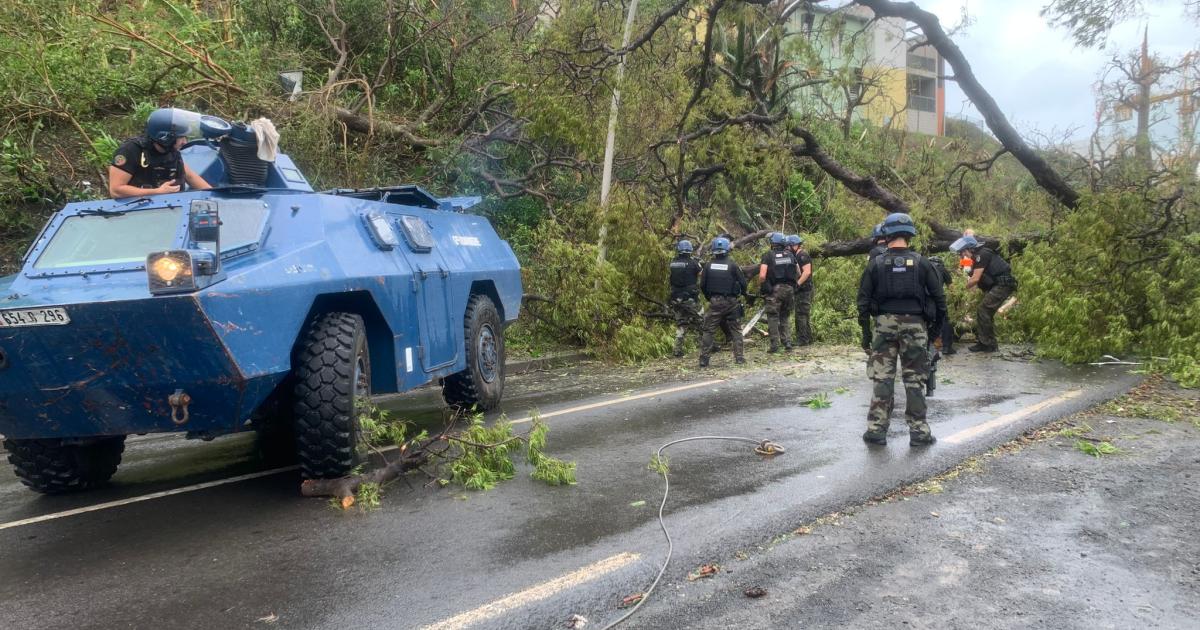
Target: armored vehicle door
(439, 327)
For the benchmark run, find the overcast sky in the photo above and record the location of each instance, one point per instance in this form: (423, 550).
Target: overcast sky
(1037, 75)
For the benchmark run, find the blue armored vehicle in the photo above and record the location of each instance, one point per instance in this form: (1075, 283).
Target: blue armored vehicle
(257, 305)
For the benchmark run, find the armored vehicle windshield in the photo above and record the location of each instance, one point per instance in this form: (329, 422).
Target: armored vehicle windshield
(110, 238)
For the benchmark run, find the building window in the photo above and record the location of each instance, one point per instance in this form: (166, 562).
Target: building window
(920, 62)
(922, 94)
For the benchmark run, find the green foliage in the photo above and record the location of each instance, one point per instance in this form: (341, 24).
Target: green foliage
(660, 465)
(485, 458)
(819, 401)
(1116, 280)
(1096, 449)
(368, 496)
(485, 455)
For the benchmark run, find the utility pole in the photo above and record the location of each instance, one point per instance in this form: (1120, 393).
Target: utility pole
(611, 141)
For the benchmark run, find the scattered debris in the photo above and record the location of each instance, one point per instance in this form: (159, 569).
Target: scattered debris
(271, 618)
(705, 570)
(754, 592)
(935, 515)
(632, 600)
(637, 504)
(577, 621)
(802, 531)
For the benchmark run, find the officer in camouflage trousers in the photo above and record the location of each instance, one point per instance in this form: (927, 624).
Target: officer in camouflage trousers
(804, 290)
(722, 283)
(778, 273)
(993, 275)
(685, 293)
(902, 292)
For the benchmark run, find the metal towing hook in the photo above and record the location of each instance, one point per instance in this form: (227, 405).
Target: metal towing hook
(179, 402)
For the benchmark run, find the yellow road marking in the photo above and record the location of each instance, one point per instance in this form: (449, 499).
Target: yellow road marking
(615, 401)
(1009, 418)
(145, 497)
(536, 593)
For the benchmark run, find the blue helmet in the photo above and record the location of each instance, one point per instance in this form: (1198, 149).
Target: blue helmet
(877, 231)
(777, 238)
(898, 223)
(720, 245)
(794, 239)
(966, 242)
(166, 125)
(684, 247)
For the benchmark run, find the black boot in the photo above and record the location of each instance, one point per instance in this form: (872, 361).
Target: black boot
(920, 439)
(978, 347)
(878, 438)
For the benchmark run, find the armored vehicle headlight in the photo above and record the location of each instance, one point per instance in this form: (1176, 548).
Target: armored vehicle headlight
(171, 271)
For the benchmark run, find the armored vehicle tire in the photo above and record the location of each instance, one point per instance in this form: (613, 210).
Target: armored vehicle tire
(481, 384)
(52, 467)
(333, 373)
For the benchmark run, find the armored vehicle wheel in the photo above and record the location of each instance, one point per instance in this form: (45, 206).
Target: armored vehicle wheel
(51, 467)
(333, 374)
(482, 383)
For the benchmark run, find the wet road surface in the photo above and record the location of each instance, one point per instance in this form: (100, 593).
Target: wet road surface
(253, 554)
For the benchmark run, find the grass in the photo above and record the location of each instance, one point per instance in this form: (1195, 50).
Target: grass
(1096, 449)
(820, 401)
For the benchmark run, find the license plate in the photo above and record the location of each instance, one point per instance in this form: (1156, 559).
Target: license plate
(19, 317)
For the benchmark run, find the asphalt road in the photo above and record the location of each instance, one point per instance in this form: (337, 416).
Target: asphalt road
(251, 553)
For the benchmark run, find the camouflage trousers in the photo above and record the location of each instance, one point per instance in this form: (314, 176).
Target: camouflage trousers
(803, 302)
(724, 311)
(985, 317)
(903, 337)
(778, 309)
(686, 312)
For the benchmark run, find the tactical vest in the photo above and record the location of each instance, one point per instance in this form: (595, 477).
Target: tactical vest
(156, 168)
(683, 276)
(719, 278)
(998, 271)
(899, 288)
(783, 267)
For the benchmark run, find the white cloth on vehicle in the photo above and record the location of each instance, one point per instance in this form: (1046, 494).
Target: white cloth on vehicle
(268, 139)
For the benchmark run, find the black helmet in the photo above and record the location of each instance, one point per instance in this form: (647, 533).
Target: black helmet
(898, 223)
(166, 125)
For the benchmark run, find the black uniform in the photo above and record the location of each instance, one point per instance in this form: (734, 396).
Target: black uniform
(721, 281)
(780, 289)
(148, 167)
(685, 297)
(997, 284)
(946, 332)
(803, 302)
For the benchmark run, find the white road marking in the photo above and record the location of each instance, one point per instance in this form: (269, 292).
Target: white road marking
(615, 401)
(144, 497)
(220, 482)
(1009, 418)
(536, 593)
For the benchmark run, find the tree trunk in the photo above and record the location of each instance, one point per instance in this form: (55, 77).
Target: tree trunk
(1042, 172)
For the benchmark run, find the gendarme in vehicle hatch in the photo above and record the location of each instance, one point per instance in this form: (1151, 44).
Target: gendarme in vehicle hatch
(257, 305)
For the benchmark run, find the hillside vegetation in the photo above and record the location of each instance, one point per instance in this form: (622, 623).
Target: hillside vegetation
(510, 100)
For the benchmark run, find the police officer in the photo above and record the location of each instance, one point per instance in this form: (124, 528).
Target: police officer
(778, 274)
(878, 242)
(151, 164)
(946, 334)
(902, 292)
(993, 275)
(804, 290)
(685, 293)
(722, 282)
